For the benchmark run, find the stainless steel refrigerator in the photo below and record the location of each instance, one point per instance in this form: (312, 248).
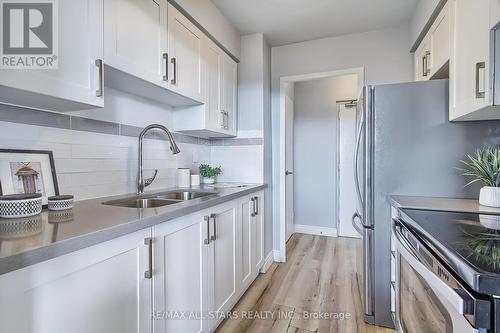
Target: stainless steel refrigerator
(405, 146)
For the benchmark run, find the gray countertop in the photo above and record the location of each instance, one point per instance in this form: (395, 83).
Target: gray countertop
(24, 242)
(441, 204)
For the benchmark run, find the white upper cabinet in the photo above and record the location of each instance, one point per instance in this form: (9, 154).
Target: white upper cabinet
(135, 38)
(218, 116)
(470, 65)
(184, 48)
(213, 61)
(422, 61)
(77, 83)
(433, 53)
(440, 42)
(230, 95)
(494, 13)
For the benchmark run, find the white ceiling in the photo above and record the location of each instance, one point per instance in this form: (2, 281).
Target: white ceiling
(290, 21)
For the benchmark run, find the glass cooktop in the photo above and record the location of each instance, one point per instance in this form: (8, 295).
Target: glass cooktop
(468, 243)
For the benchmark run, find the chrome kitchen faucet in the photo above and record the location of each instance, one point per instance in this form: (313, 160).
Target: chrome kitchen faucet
(141, 182)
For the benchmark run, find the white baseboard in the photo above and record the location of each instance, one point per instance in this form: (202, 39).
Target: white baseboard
(277, 255)
(268, 261)
(314, 230)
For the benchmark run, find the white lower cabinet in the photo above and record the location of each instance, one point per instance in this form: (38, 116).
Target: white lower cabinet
(222, 258)
(252, 238)
(182, 275)
(98, 289)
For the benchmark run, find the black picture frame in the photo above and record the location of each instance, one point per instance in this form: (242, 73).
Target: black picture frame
(37, 152)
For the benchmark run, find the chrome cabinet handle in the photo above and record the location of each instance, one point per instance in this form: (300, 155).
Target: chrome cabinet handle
(149, 273)
(226, 126)
(100, 92)
(174, 62)
(427, 66)
(253, 207)
(479, 66)
(214, 236)
(256, 205)
(288, 173)
(207, 220)
(424, 66)
(165, 58)
(222, 119)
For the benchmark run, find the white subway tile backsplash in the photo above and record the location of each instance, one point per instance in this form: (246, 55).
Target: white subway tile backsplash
(91, 165)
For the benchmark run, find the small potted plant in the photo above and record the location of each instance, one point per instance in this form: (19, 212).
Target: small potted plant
(209, 173)
(484, 166)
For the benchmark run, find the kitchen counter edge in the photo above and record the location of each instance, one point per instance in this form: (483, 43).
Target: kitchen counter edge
(87, 239)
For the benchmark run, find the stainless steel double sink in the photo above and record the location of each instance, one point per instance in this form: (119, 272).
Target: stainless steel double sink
(158, 199)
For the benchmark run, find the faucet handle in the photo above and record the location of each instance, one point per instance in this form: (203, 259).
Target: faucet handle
(149, 181)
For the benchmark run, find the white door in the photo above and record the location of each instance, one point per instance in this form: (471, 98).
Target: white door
(181, 274)
(469, 60)
(257, 232)
(98, 289)
(135, 38)
(212, 56)
(347, 189)
(185, 52)
(230, 81)
(222, 259)
(289, 161)
(77, 78)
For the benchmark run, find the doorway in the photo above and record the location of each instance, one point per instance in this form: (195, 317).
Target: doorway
(311, 157)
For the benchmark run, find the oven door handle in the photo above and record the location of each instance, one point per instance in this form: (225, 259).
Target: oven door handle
(459, 302)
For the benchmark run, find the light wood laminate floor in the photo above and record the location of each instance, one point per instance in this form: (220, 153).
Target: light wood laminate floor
(319, 278)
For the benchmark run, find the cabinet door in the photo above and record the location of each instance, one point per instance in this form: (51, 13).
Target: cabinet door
(469, 61)
(222, 272)
(230, 81)
(213, 62)
(440, 41)
(181, 279)
(494, 13)
(423, 61)
(98, 289)
(135, 38)
(74, 85)
(257, 232)
(246, 242)
(184, 47)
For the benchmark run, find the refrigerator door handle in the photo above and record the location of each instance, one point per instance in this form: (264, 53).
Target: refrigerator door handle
(356, 158)
(368, 271)
(357, 226)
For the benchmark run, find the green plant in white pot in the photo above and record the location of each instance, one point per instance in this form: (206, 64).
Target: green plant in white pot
(484, 166)
(209, 174)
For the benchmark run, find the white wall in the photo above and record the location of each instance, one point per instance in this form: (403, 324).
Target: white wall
(315, 148)
(209, 16)
(384, 54)
(251, 83)
(421, 15)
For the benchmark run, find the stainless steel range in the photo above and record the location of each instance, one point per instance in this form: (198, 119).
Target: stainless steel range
(445, 272)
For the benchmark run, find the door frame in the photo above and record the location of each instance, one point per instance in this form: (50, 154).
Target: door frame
(282, 141)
